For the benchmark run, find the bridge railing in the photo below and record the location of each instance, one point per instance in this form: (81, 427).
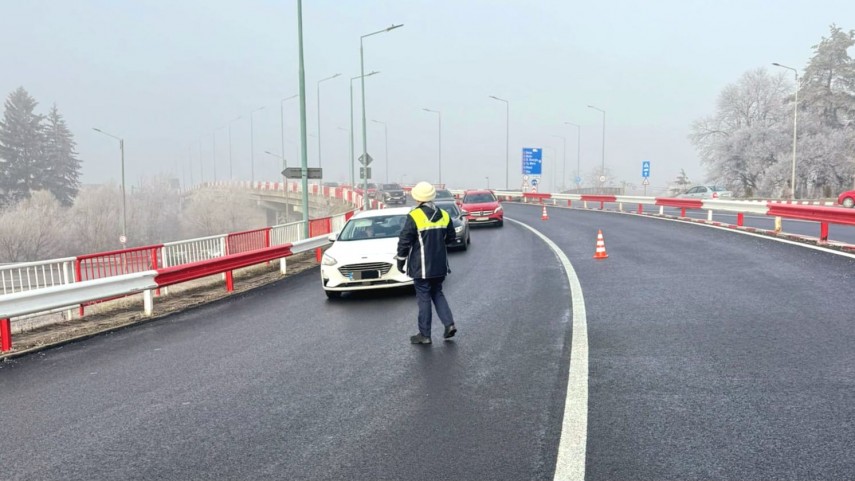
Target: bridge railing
(26, 276)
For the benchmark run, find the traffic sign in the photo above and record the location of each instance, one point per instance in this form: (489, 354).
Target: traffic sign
(579, 180)
(602, 178)
(123, 240)
(534, 182)
(532, 161)
(645, 169)
(362, 171)
(366, 159)
(297, 173)
(646, 181)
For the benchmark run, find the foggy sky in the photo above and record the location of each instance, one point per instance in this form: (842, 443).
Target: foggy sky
(169, 76)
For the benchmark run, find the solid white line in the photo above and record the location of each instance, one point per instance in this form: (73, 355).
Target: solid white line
(570, 464)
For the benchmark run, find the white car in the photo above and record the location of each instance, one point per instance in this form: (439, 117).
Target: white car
(363, 255)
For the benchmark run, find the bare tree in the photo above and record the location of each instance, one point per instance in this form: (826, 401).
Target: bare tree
(209, 212)
(32, 229)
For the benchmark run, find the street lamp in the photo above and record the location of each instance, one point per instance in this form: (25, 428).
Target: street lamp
(320, 163)
(124, 238)
(439, 116)
(252, 143)
(578, 151)
(795, 126)
(507, 138)
(362, 82)
(603, 167)
(352, 158)
(564, 161)
(386, 141)
(285, 188)
(231, 171)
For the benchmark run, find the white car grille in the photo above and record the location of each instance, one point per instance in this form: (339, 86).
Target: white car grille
(349, 270)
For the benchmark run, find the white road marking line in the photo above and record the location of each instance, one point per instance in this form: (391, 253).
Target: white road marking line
(570, 464)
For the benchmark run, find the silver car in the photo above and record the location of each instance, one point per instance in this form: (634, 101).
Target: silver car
(706, 192)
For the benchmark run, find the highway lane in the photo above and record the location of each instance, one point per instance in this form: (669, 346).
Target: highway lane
(840, 233)
(713, 355)
(279, 383)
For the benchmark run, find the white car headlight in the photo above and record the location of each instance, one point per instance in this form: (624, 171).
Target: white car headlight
(498, 209)
(458, 229)
(328, 260)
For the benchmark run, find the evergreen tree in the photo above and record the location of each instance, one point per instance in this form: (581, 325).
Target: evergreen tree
(828, 85)
(62, 167)
(680, 184)
(21, 144)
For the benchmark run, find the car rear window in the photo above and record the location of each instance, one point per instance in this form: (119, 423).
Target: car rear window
(718, 188)
(479, 198)
(391, 187)
(449, 207)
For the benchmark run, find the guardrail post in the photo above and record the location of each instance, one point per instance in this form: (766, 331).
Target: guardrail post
(823, 231)
(620, 206)
(66, 280)
(77, 278)
(778, 226)
(640, 209)
(585, 204)
(682, 212)
(709, 215)
(154, 264)
(283, 268)
(230, 282)
(5, 335)
(569, 203)
(148, 302)
(661, 210)
(602, 205)
(740, 219)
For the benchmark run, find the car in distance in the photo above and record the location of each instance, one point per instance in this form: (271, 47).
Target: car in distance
(461, 224)
(483, 207)
(847, 199)
(706, 192)
(363, 254)
(392, 194)
(444, 194)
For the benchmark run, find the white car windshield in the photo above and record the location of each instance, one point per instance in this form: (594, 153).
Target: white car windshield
(380, 227)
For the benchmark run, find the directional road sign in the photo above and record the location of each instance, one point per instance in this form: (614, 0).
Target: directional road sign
(645, 169)
(297, 172)
(366, 159)
(532, 161)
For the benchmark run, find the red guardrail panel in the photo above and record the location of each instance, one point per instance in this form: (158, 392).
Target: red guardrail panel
(114, 263)
(816, 213)
(683, 203)
(197, 270)
(599, 198)
(248, 240)
(320, 226)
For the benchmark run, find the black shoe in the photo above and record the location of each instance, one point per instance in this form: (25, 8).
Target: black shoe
(419, 339)
(450, 331)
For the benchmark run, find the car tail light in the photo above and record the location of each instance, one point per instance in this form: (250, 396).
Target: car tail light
(715, 195)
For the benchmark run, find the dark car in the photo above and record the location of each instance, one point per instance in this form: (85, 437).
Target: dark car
(391, 194)
(444, 194)
(461, 224)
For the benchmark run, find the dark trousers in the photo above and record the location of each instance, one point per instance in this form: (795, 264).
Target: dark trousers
(430, 291)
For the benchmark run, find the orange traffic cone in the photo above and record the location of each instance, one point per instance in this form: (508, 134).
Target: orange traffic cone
(601, 246)
(544, 216)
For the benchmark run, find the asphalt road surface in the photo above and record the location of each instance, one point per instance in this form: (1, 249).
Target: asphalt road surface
(712, 355)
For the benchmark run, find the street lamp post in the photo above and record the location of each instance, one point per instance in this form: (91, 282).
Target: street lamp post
(386, 142)
(364, 129)
(352, 157)
(795, 127)
(507, 139)
(252, 143)
(439, 146)
(564, 160)
(231, 169)
(578, 151)
(124, 238)
(282, 127)
(603, 166)
(488, 182)
(320, 162)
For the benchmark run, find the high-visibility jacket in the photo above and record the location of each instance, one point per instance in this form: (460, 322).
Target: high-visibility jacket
(422, 241)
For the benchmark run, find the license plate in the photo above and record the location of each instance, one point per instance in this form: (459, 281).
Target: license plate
(482, 218)
(370, 275)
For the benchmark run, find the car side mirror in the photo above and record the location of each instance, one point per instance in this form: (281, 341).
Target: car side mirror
(332, 237)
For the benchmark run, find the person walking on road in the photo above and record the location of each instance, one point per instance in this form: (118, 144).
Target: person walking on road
(421, 246)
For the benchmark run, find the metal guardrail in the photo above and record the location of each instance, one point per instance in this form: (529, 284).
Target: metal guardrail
(26, 276)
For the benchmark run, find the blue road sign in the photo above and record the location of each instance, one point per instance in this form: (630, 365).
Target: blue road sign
(645, 168)
(579, 180)
(534, 182)
(532, 161)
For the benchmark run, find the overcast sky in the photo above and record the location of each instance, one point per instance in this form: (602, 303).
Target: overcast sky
(168, 76)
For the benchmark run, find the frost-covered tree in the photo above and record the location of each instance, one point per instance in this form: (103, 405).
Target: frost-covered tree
(61, 173)
(680, 184)
(210, 212)
(154, 213)
(96, 217)
(747, 136)
(32, 229)
(21, 144)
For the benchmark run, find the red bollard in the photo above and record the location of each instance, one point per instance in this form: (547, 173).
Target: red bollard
(5, 335)
(823, 231)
